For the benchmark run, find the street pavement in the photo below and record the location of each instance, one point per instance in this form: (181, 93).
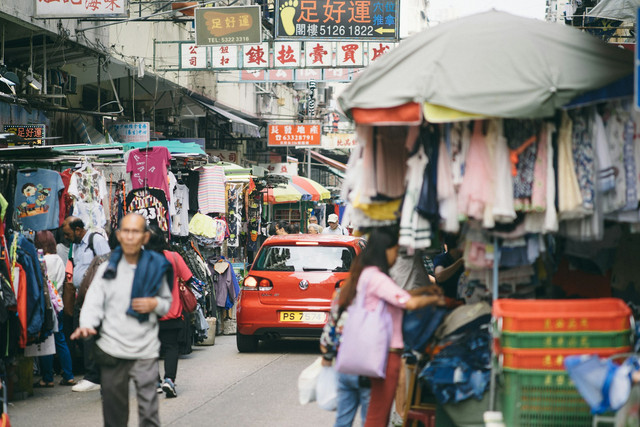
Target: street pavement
(217, 386)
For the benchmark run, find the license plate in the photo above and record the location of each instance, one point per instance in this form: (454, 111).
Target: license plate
(303, 316)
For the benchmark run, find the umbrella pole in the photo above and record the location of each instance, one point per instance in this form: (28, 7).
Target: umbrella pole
(494, 296)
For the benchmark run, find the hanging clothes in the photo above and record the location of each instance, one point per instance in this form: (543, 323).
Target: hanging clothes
(88, 188)
(569, 195)
(503, 206)
(474, 193)
(415, 229)
(222, 273)
(460, 142)
(66, 201)
(546, 221)
(211, 190)
(522, 138)
(428, 199)
(180, 221)
(36, 199)
(234, 217)
(151, 203)
(447, 196)
(584, 157)
(390, 160)
(148, 168)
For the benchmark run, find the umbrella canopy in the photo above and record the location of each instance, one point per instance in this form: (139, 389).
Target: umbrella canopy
(620, 10)
(493, 64)
(298, 189)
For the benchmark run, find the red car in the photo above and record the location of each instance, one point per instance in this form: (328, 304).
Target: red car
(287, 293)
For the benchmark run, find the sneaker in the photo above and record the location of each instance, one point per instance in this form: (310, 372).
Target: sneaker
(85, 385)
(159, 388)
(169, 388)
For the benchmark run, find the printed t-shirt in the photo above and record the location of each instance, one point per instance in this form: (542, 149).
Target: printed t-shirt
(151, 203)
(36, 199)
(88, 187)
(180, 221)
(149, 168)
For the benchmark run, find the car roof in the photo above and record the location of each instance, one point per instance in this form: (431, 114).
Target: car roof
(288, 239)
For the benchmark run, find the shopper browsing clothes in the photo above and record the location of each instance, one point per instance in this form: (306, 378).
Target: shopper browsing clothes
(449, 266)
(55, 273)
(128, 295)
(370, 272)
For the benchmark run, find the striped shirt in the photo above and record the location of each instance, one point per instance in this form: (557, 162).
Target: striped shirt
(211, 190)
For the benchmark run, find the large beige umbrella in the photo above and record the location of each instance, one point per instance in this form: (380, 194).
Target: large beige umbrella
(492, 64)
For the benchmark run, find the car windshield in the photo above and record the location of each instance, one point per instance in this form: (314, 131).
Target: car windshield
(305, 258)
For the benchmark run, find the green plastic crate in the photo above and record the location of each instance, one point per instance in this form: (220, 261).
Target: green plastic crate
(542, 399)
(566, 340)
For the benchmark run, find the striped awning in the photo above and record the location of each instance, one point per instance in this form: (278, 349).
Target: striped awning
(298, 189)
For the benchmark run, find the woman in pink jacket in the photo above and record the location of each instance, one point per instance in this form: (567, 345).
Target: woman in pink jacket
(372, 268)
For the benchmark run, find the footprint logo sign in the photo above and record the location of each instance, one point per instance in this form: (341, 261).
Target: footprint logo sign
(287, 13)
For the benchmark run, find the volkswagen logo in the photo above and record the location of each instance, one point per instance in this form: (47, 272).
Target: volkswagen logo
(304, 285)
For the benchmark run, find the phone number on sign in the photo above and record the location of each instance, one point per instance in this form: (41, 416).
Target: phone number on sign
(238, 39)
(343, 30)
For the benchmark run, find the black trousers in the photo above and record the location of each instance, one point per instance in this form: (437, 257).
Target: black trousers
(168, 334)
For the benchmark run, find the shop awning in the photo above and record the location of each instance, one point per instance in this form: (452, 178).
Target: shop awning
(298, 189)
(329, 161)
(174, 147)
(236, 173)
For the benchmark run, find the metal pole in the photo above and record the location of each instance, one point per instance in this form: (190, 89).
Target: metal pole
(309, 163)
(44, 62)
(494, 296)
(99, 78)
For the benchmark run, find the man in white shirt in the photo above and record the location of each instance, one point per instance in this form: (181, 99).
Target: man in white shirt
(334, 227)
(126, 306)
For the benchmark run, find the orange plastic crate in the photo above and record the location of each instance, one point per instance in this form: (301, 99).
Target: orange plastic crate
(550, 359)
(601, 314)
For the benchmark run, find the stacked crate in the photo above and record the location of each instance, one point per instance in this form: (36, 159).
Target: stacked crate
(531, 340)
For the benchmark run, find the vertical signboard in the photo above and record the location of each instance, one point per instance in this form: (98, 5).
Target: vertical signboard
(228, 25)
(337, 19)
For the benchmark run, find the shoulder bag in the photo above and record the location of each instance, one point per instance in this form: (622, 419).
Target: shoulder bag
(366, 338)
(188, 300)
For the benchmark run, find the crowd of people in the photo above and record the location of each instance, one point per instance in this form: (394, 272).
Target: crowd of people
(283, 227)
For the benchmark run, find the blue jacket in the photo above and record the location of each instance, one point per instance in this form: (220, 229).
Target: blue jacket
(147, 279)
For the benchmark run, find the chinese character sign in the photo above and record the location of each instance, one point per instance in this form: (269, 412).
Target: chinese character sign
(294, 135)
(79, 8)
(131, 132)
(318, 54)
(349, 54)
(193, 56)
(333, 141)
(255, 56)
(377, 49)
(29, 132)
(228, 25)
(224, 56)
(337, 19)
(287, 54)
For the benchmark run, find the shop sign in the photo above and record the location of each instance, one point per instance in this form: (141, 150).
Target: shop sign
(281, 168)
(286, 54)
(228, 25)
(294, 135)
(28, 132)
(81, 8)
(193, 56)
(131, 132)
(350, 54)
(334, 141)
(224, 56)
(225, 155)
(337, 19)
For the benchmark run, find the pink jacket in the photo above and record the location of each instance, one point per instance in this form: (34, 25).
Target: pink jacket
(380, 286)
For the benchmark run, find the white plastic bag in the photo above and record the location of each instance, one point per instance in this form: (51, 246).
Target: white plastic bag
(307, 382)
(327, 389)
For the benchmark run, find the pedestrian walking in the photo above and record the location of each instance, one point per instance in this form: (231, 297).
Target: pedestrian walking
(126, 298)
(334, 227)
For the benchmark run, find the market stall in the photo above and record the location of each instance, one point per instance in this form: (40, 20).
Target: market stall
(478, 138)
